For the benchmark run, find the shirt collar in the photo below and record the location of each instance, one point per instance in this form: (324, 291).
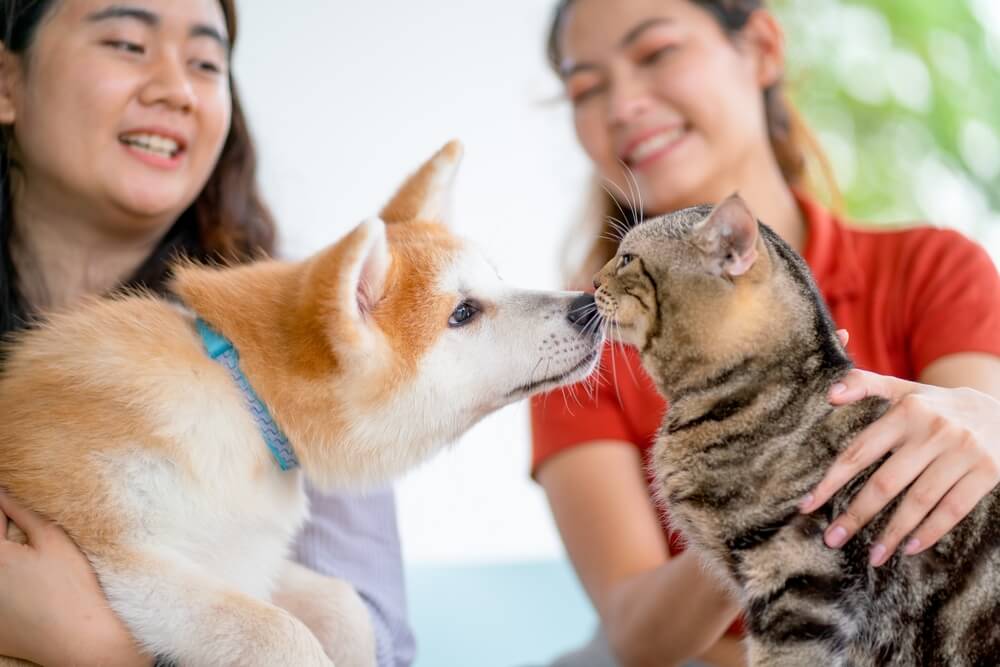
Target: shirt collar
(830, 251)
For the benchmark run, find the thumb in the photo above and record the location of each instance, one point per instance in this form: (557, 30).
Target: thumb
(859, 384)
(30, 523)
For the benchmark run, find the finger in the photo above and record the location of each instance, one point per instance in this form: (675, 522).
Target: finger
(30, 523)
(890, 480)
(844, 336)
(954, 507)
(3, 527)
(867, 447)
(858, 384)
(938, 479)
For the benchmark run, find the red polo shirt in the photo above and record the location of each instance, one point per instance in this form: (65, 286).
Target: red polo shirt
(907, 296)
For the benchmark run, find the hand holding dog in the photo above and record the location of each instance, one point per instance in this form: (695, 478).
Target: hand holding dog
(52, 599)
(946, 449)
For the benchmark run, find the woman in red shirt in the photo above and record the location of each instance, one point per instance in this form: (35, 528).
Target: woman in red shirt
(678, 103)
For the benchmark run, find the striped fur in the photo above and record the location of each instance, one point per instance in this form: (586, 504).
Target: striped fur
(746, 361)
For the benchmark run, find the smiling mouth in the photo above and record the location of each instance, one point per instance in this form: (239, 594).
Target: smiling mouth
(653, 147)
(153, 144)
(556, 379)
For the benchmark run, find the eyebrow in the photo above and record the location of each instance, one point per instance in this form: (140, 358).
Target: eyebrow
(150, 19)
(568, 69)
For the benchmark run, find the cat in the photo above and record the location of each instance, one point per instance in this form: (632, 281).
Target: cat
(734, 333)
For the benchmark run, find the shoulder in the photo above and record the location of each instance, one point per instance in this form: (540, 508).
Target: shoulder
(914, 252)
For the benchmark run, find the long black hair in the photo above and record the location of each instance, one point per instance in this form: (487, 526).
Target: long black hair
(227, 222)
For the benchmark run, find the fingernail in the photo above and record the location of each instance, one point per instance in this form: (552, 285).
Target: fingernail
(912, 546)
(836, 537)
(877, 554)
(838, 389)
(806, 502)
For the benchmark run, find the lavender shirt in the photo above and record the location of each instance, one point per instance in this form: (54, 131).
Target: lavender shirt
(355, 538)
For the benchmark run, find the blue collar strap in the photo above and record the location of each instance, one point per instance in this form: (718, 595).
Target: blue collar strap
(221, 350)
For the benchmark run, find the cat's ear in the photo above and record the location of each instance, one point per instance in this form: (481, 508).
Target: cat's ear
(426, 195)
(728, 238)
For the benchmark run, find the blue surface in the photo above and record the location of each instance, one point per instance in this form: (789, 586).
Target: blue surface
(504, 615)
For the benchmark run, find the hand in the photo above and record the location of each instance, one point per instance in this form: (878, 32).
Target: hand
(52, 609)
(946, 449)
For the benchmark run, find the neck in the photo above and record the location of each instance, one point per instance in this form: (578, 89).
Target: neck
(770, 198)
(62, 256)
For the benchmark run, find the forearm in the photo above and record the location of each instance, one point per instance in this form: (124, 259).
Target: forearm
(668, 615)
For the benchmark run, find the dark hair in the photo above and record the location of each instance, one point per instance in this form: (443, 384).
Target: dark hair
(792, 142)
(227, 222)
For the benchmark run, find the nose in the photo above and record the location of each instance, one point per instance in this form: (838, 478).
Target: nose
(169, 84)
(582, 312)
(629, 100)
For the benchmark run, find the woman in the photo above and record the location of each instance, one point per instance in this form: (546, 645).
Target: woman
(124, 146)
(684, 97)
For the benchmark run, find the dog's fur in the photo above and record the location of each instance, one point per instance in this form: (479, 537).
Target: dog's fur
(119, 427)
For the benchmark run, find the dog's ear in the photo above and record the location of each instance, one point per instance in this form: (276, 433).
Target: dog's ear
(365, 269)
(426, 195)
(728, 238)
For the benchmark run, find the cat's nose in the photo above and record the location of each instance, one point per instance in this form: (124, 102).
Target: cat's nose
(582, 311)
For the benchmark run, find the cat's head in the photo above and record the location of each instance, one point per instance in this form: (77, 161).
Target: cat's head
(705, 287)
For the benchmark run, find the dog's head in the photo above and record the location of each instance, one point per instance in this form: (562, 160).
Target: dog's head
(401, 336)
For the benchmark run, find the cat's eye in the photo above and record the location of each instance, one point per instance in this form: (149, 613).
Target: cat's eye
(624, 260)
(465, 313)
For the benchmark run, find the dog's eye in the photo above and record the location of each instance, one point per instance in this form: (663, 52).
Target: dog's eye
(464, 314)
(625, 260)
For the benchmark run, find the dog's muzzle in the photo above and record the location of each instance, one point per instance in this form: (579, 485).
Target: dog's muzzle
(583, 313)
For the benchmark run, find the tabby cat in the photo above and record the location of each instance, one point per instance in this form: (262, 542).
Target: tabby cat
(733, 331)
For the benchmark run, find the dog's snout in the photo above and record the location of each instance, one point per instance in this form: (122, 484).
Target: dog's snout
(582, 311)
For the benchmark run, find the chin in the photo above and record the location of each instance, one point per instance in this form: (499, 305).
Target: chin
(160, 204)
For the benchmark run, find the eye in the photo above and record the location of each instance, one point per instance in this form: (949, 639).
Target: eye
(624, 260)
(208, 66)
(465, 313)
(654, 56)
(127, 47)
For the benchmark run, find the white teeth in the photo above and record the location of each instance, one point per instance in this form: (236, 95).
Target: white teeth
(653, 144)
(152, 143)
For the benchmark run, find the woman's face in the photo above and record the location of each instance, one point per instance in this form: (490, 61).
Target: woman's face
(122, 107)
(659, 89)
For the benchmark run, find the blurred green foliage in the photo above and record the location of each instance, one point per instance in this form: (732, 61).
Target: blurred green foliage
(904, 96)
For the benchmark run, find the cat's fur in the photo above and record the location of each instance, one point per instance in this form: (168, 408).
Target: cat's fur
(733, 331)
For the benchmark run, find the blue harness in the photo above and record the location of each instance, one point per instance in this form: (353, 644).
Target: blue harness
(221, 350)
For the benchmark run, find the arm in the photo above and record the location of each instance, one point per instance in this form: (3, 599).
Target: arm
(355, 538)
(656, 610)
(945, 433)
(52, 609)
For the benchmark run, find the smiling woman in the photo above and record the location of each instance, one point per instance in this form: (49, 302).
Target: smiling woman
(123, 145)
(120, 122)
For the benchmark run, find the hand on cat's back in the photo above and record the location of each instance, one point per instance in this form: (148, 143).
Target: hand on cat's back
(945, 443)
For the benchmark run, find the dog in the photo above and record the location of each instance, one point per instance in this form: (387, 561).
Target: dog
(172, 443)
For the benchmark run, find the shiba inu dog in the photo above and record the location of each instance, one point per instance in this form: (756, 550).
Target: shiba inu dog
(171, 444)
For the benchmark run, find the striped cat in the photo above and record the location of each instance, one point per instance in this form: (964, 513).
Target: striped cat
(733, 331)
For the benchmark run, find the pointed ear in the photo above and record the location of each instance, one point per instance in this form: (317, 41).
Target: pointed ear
(8, 71)
(728, 238)
(426, 195)
(366, 268)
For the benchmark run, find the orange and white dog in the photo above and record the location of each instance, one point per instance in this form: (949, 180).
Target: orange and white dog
(153, 434)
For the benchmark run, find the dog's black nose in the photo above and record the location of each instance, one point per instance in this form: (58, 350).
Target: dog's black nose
(582, 312)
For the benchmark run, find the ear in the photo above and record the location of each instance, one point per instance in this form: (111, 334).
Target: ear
(763, 34)
(426, 195)
(366, 268)
(728, 238)
(9, 68)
